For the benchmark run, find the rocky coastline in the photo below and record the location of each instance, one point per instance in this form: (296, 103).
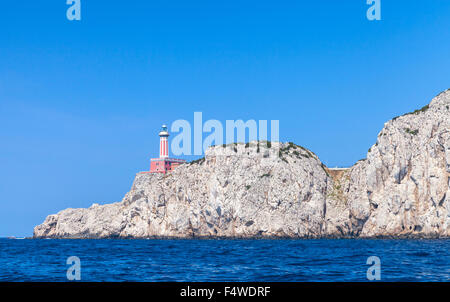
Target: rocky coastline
(283, 190)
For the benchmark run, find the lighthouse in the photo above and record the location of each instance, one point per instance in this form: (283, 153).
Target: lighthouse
(164, 163)
(164, 142)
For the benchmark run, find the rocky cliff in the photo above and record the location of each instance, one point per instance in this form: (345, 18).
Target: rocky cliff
(283, 190)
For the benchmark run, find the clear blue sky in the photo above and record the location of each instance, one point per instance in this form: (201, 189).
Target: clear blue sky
(81, 102)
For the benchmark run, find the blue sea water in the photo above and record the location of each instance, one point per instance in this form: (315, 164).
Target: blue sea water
(224, 260)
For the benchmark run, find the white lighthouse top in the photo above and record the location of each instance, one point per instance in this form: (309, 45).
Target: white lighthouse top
(164, 131)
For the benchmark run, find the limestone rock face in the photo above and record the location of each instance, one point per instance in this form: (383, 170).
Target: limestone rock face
(283, 190)
(408, 174)
(402, 188)
(252, 190)
(348, 206)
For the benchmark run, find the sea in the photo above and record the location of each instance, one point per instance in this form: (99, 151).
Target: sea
(224, 260)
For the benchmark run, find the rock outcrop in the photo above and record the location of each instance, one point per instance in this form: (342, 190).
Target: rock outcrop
(408, 174)
(283, 190)
(275, 190)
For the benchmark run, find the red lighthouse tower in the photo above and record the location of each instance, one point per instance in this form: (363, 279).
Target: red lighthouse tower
(163, 142)
(164, 164)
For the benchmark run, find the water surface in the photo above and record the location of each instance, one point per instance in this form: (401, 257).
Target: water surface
(224, 260)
